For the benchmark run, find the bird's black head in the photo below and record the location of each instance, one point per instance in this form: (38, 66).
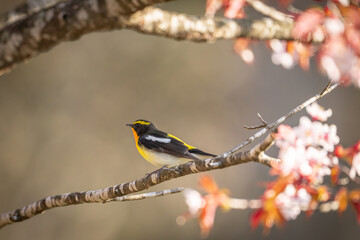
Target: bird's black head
(141, 126)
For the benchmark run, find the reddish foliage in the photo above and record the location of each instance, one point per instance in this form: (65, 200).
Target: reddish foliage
(347, 153)
(300, 51)
(208, 184)
(269, 214)
(342, 198)
(335, 172)
(204, 207)
(354, 197)
(319, 194)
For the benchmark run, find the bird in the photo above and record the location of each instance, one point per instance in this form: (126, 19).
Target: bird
(163, 149)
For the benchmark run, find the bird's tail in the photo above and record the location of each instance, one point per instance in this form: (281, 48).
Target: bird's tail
(201, 154)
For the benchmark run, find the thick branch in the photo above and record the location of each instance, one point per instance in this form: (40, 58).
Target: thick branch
(64, 21)
(69, 20)
(179, 26)
(157, 177)
(24, 10)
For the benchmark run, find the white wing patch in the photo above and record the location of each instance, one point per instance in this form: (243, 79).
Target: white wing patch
(156, 139)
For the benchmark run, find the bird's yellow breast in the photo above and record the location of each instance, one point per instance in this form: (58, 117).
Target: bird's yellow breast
(160, 159)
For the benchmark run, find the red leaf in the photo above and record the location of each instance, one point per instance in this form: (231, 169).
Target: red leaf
(207, 215)
(304, 55)
(335, 172)
(354, 197)
(256, 218)
(342, 198)
(208, 184)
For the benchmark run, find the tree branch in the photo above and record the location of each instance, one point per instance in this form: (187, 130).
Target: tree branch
(270, 11)
(261, 132)
(179, 26)
(24, 10)
(227, 159)
(157, 177)
(146, 195)
(35, 33)
(64, 21)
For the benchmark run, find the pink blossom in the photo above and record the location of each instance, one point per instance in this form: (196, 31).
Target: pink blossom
(285, 136)
(317, 134)
(318, 113)
(334, 26)
(338, 60)
(280, 56)
(194, 200)
(292, 201)
(307, 23)
(292, 158)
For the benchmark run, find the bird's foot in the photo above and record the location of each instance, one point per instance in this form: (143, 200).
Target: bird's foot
(163, 168)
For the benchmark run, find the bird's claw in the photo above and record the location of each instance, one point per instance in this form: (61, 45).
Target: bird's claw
(163, 168)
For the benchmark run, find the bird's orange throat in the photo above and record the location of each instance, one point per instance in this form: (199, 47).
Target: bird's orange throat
(135, 135)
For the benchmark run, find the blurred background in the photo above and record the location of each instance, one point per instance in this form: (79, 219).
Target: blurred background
(62, 129)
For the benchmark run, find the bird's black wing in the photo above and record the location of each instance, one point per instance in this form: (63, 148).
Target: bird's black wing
(160, 142)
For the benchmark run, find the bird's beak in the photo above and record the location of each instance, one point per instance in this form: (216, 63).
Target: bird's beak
(129, 125)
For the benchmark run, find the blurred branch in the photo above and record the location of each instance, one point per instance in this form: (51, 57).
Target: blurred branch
(227, 159)
(146, 195)
(30, 32)
(180, 26)
(235, 203)
(65, 21)
(24, 10)
(261, 7)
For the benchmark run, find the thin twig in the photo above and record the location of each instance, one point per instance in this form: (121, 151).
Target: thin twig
(326, 90)
(270, 11)
(146, 195)
(264, 124)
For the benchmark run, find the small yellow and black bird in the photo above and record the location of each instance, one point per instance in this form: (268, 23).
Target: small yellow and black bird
(163, 149)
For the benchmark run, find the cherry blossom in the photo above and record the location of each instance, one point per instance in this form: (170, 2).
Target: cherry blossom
(280, 56)
(292, 201)
(317, 134)
(318, 113)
